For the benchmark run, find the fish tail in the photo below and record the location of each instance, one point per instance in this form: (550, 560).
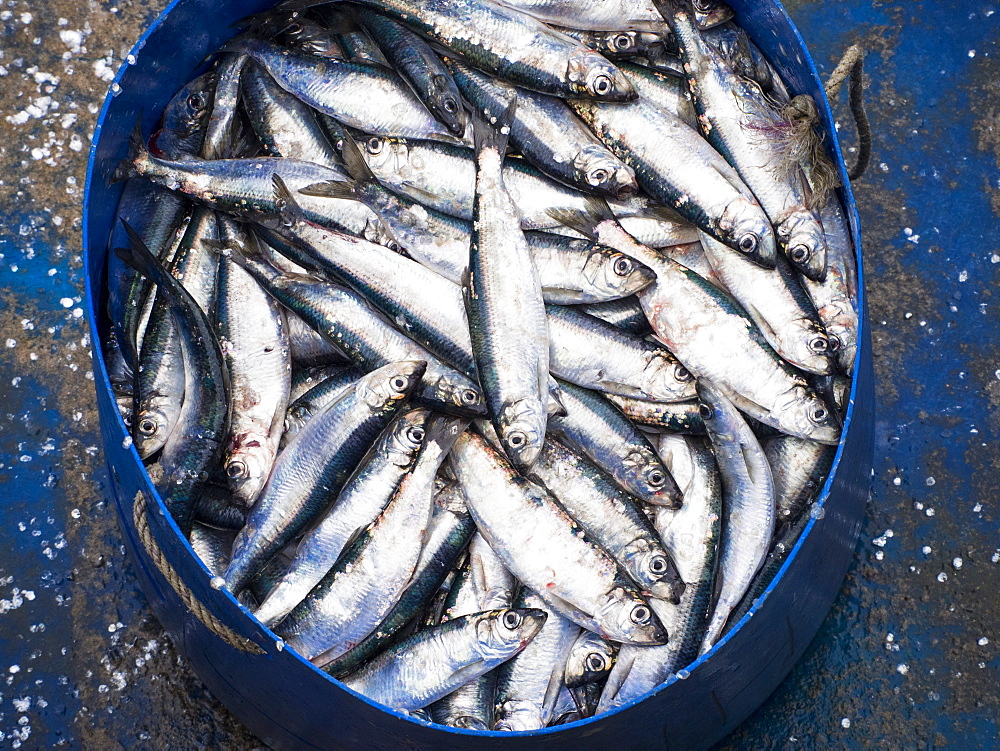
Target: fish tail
(138, 256)
(492, 134)
(137, 152)
(585, 220)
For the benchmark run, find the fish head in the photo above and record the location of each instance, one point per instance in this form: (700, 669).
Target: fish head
(248, 461)
(744, 226)
(597, 167)
(386, 387)
(407, 437)
(801, 412)
(807, 345)
(628, 618)
(462, 396)
(502, 633)
(152, 427)
(804, 242)
(307, 36)
(711, 13)
(646, 472)
(590, 659)
(615, 274)
(653, 570)
(592, 76)
(185, 119)
(444, 103)
(386, 157)
(521, 427)
(665, 379)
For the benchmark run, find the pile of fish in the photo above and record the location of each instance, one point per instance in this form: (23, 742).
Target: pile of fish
(492, 352)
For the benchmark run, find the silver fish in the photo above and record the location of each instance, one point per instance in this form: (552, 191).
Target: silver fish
(513, 46)
(547, 133)
(362, 499)
(691, 534)
(836, 297)
(372, 98)
(443, 177)
(449, 655)
(372, 574)
(254, 337)
(503, 299)
(740, 122)
(447, 538)
(594, 354)
(615, 445)
(483, 583)
(776, 302)
(315, 466)
(610, 516)
(185, 462)
(748, 505)
(528, 684)
(675, 165)
(542, 546)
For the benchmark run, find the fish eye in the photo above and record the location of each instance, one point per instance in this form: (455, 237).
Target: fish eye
(835, 343)
(602, 85)
(749, 243)
(399, 383)
(624, 266)
(237, 469)
(622, 42)
(706, 412)
(682, 374)
(598, 176)
(450, 106)
(799, 254)
(197, 101)
(820, 345)
(375, 145)
(658, 564)
(511, 619)
(656, 477)
(818, 415)
(595, 662)
(639, 615)
(393, 246)
(147, 426)
(416, 435)
(470, 397)
(516, 439)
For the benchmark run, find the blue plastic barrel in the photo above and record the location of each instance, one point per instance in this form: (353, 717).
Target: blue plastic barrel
(280, 696)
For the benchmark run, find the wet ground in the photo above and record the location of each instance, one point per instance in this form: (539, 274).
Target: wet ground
(908, 656)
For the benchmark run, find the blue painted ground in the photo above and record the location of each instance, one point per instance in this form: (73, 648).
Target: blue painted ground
(908, 656)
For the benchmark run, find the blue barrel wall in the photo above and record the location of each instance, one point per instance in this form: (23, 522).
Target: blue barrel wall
(280, 696)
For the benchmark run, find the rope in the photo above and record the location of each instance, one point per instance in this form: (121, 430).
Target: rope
(852, 66)
(202, 613)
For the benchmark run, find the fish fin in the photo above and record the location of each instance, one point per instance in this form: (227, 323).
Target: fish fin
(354, 160)
(288, 207)
(346, 189)
(584, 220)
(352, 540)
(665, 214)
(493, 135)
(136, 149)
(138, 256)
(555, 407)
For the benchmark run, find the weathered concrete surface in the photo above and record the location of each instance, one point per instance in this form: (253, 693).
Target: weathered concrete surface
(83, 664)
